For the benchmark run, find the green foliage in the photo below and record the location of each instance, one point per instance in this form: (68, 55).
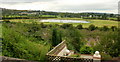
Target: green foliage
(92, 27)
(17, 45)
(74, 39)
(75, 55)
(43, 25)
(108, 43)
(32, 41)
(66, 26)
(86, 50)
(79, 26)
(25, 14)
(56, 37)
(114, 28)
(105, 56)
(105, 28)
(104, 17)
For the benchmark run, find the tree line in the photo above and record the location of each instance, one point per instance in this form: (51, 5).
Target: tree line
(27, 14)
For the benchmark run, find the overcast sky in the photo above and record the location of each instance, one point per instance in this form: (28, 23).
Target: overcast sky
(104, 6)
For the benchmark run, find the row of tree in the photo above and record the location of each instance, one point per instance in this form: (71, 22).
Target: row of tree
(7, 13)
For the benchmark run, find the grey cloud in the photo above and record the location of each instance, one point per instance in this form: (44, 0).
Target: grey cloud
(88, 7)
(98, 6)
(24, 0)
(13, 2)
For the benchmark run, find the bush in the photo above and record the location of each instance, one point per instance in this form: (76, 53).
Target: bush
(79, 26)
(114, 28)
(66, 26)
(86, 50)
(105, 56)
(43, 25)
(105, 28)
(92, 27)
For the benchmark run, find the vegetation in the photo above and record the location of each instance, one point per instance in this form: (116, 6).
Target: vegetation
(25, 37)
(86, 50)
(108, 44)
(79, 26)
(75, 55)
(97, 23)
(33, 14)
(56, 37)
(22, 41)
(92, 27)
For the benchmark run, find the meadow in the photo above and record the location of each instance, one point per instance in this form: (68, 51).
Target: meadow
(96, 22)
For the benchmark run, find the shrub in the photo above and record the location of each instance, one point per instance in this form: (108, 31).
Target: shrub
(43, 25)
(66, 26)
(79, 26)
(105, 56)
(114, 28)
(86, 50)
(92, 27)
(105, 28)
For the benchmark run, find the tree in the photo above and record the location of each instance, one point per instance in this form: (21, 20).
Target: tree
(111, 15)
(104, 17)
(109, 44)
(75, 39)
(56, 37)
(60, 36)
(118, 18)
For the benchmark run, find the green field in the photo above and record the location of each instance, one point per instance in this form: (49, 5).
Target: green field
(98, 23)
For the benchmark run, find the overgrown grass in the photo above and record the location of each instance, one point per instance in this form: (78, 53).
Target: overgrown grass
(17, 45)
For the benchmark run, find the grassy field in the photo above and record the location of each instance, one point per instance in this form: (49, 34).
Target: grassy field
(96, 22)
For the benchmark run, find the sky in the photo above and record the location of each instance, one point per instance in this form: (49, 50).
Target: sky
(75, 6)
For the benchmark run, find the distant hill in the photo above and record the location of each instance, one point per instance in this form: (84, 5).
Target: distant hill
(11, 13)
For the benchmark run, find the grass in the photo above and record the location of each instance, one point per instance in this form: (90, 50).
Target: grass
(96, 22)
(48, 16)
(0, 38)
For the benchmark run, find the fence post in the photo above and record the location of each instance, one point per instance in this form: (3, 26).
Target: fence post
(97, 57)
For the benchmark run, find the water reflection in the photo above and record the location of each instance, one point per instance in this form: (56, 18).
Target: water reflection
(65, 21)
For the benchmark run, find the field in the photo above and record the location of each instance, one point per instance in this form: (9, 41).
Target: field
(95, 22)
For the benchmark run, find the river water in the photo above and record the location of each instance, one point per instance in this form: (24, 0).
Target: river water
(64, 21)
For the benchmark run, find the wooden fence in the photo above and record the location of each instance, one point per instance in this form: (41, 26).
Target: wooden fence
(51, 58)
